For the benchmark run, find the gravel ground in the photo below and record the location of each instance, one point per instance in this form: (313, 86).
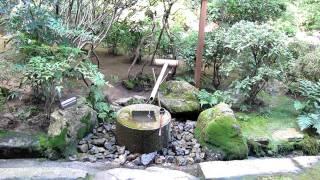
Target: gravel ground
(183, 149)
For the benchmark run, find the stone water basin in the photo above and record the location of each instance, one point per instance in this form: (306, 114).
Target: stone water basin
(138, 127)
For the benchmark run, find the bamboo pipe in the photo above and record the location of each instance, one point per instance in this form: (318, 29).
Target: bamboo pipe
(172, 63)
(159, 80)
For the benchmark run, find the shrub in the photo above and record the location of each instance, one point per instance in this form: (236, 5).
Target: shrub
(215, 54)
(307, 66)
(124, 37)
(259, 54)
(312, 13)
(187, 50)
(48, 45)
(232, 11)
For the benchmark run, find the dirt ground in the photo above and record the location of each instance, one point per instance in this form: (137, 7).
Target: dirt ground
(25, 115)
(115, 68)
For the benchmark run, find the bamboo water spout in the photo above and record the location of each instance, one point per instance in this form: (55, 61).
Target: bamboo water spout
(166, 63)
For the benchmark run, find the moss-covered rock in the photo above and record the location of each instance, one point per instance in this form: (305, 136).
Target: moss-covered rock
(179, 97)
(309, 145)
(218, 129)
(19, 145)
(68, 126)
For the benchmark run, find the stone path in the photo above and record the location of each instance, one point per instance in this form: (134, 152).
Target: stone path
(256, 167)
(43, 169)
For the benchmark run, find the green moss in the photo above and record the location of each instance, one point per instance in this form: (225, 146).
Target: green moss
(61, 144)
(174, 89)
(57, 142)
(277, 114)
(309, 146)
(312, 173)
(135, 101)
(86, 128)
(285, 148)
(3, 133)
(256, 148)
(224, 133)
(129, 84)
(57, 146)
(184, 106)
(221, 133)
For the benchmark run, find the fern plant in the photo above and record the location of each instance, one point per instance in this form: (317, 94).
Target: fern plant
(208, 100)
(310, 109)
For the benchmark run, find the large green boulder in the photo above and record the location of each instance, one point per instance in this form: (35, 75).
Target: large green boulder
(218, 130)
(179, 97)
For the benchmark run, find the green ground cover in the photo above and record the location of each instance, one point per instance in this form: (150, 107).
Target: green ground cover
(277, 114)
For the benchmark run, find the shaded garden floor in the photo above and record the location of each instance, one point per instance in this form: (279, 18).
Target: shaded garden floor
(268, 122)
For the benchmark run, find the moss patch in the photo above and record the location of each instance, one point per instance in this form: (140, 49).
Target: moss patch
(86, 128)
(309, 146)
(57, 142)
(224, 133)
(57, 146)
(277, 114)
(3, 133)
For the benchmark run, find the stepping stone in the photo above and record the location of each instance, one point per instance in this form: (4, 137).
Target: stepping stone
(42, 173)
(239, 168)
(289, 134)
(153, 173)
(306, 161)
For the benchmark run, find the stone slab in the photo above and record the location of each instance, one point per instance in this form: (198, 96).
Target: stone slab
(153, 173)
(306, 161)
(289, 134)
(42, 173)
(239, 168)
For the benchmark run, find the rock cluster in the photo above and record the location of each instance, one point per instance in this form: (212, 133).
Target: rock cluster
(183, 148)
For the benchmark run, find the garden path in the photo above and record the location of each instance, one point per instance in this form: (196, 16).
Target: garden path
(239, 169)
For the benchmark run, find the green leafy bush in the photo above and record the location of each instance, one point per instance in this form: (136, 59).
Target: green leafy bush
(259, 53)
(307, 66)
(215, 54)
(208, 100)
(98, 103)
(123, 36)
(187, 49)
(310, 108)
(311, 8)
(45, 78)
(232, 11)
(49, 48)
